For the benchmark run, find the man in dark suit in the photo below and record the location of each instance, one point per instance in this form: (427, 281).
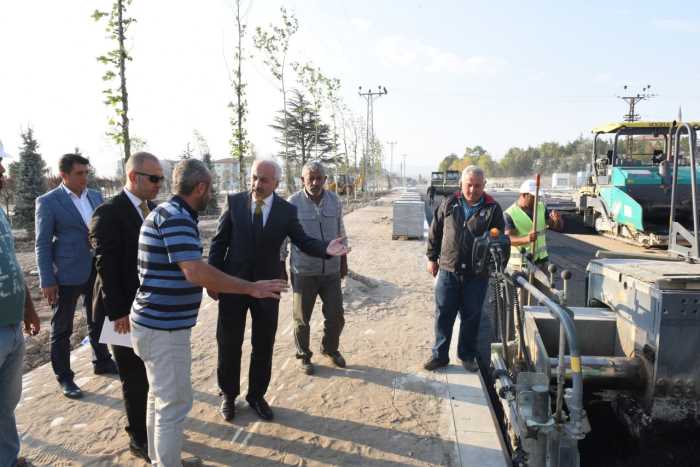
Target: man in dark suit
(67, 267)
(114, 234)
(247, 245)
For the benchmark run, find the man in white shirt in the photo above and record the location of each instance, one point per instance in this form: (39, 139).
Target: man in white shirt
(114, 234)
(247, 245)
(66, 266)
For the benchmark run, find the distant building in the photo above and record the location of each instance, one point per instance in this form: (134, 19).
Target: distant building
(227, 175)
(560, 181)
(120, 169)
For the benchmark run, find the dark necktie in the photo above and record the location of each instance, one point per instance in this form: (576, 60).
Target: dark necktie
(258, 220)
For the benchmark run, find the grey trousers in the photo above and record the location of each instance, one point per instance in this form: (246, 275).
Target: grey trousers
(306, 289)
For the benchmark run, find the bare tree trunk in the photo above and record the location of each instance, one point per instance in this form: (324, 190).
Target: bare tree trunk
(287, 165)
(239, 108)
(122, 77)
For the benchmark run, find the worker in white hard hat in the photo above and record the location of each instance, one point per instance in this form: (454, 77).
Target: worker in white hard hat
(519, 226)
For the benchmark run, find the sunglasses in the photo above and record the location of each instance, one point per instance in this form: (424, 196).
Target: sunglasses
(152, 178)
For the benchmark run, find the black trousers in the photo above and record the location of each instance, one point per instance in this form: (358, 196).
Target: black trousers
(229, 335)
(132, 373)
(62, 329)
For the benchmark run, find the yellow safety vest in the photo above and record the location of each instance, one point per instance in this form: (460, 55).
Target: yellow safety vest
(523, 226)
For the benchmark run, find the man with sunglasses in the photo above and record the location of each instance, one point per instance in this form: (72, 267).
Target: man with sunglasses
(114, 234)
(67, 266)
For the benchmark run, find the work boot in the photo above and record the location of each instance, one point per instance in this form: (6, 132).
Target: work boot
(435, 363)
(336, 358)
(306, 366)
(470, 365)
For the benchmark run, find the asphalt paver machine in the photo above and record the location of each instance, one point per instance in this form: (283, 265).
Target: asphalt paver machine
(628, 195)
(635, 346)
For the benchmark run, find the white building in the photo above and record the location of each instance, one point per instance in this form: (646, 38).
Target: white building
(227, 175)
(561, 181)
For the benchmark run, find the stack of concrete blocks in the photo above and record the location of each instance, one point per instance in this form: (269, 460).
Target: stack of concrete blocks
(409, 216)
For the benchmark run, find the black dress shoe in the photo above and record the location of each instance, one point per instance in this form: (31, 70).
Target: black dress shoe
(71, 390)
(435, 363)
(336, 358)
(108, 368)
(306, 366)
(261, 407)
(139, 450)
(470, 365)
(228, 408)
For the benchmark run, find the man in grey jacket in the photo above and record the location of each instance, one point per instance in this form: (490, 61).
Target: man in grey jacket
(321, 214)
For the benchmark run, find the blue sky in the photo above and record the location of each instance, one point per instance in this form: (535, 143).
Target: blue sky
(498, 74)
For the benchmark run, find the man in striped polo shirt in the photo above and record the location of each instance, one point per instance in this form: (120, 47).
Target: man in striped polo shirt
(172, 275)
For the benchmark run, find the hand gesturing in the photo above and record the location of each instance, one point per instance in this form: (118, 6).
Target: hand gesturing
(337, 248)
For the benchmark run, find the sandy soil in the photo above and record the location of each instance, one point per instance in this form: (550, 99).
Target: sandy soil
(381, 410)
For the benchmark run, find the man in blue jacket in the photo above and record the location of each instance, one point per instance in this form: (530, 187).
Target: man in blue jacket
(67, 267)
(460, 218)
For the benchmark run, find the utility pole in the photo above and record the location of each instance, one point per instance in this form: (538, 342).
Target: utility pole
(632, 101)
(391, 160)
(404, 171)
(370, 96)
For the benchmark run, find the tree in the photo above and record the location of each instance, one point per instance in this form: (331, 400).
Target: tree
(31, 181)
(9, 186)
(447, 162)
(187, 153)
(213, 205)
(8, 194)
(275, 46)
(115, 60)
(304, 131)
(239, 142)
(315, 84)
(476, 151)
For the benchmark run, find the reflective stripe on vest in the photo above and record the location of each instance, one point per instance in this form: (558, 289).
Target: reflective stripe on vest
(523, 226)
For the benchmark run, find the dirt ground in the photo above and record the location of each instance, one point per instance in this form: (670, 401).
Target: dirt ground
(382, 410)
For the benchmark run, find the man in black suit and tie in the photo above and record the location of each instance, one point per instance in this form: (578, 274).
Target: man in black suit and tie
(247, 245)
(114, 234)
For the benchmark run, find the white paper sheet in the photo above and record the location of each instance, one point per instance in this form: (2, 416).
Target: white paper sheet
(110, 336)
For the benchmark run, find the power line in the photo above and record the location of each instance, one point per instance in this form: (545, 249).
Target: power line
(391, 160)
(632, 101)
(370, 96)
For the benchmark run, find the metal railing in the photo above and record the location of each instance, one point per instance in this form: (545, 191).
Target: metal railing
(567, 337)
(675, 228)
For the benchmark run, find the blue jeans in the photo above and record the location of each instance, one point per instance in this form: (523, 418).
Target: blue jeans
(452, 295)
(11, 363)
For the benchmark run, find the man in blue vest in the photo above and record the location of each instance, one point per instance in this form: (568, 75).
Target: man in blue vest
(520, 228)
